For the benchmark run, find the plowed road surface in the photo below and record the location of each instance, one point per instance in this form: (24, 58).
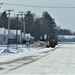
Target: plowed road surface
(58, 61)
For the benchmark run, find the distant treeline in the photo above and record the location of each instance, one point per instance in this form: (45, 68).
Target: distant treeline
(35, 25)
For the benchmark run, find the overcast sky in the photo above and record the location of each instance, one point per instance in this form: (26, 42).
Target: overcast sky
(63, 17)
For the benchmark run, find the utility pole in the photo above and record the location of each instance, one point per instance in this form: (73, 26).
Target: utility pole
(8, 24)
(17, 30)
(21, 13)
(24, 27)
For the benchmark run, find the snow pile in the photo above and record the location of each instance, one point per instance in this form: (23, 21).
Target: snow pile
(7, 51)
(13, 49)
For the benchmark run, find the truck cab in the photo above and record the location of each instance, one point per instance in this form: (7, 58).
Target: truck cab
(51, 40)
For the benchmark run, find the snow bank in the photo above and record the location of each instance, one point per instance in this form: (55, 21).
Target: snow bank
(12, 54)
(7, 51)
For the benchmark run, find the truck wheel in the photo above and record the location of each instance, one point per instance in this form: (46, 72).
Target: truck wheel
(52, 45)
(47, 46)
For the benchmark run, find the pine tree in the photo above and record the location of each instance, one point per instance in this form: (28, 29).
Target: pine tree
(48, 24)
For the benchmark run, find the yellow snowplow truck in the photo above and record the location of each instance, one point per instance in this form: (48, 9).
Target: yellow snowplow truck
(50, 40)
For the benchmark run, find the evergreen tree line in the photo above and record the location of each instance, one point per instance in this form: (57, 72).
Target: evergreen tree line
(36, 26)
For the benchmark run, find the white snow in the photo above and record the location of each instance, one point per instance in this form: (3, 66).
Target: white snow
(11, 53)
(58, 62)
(8, 56)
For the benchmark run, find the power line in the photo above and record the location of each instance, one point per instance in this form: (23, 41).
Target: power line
(36, 6)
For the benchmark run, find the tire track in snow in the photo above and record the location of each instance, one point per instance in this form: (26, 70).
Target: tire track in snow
(26, 60)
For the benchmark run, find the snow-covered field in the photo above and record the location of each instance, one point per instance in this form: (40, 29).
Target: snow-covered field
(12, 57)
(11, 53)
(38, 60)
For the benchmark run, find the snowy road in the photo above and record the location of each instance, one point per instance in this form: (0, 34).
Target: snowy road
(56, 61)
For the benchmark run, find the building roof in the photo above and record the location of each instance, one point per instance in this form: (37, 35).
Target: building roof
(69, 36)
(66, 36)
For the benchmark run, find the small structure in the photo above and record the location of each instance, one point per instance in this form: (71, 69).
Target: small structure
(4, 39)
(16, 36)
(28, 37)
(13, 37)
(3, 36)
